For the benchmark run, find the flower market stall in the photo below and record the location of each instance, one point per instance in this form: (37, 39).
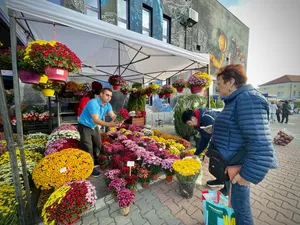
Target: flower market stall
(139, 58)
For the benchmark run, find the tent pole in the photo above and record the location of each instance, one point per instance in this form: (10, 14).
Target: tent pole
(13, 39)
(119, 58)
(12, 154)
(208, 97)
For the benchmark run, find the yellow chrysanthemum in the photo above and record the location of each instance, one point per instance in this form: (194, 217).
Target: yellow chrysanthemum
(187, 167)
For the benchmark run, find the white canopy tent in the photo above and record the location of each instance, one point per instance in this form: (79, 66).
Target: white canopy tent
(105, 49)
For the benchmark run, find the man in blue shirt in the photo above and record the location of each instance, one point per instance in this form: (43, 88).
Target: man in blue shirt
(92, 116)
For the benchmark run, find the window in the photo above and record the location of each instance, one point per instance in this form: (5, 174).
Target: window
(123, 14)
(92, 8)
(166, 29)
(58, 2)
(147, 20)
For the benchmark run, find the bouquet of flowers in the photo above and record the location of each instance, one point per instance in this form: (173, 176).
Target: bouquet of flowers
(122, 115)
(200, 79)
(116, 80)
(180, 83)
(58, 168)
(41, 54)
(66, 204)
(187, 171)
(61, 144)
(125, 89)
(125, 198)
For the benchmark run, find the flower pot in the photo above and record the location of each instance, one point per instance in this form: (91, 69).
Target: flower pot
(48, 92)
(180, 89)
(169, 178)
(43, 79)
(125, 211)
(196, 89)
(125, 92)
(168, 95)
(145, 184)
(154, 176)
(29, 77)
(102, 167)
(55, 73)
(116, 87)
(161, 95)
(149, 94)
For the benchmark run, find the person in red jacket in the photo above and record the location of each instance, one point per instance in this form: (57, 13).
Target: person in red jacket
(84, 100)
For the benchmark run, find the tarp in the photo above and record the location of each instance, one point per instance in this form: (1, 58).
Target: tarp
(102, 47)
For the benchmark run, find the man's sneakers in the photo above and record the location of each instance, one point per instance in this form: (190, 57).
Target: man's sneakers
(96, 173)
(215, 184)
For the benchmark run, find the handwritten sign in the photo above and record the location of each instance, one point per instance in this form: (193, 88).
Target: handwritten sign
(130, 163)
(62, 170)
(60, 72)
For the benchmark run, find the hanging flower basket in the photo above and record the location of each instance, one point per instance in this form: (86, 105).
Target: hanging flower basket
(29, 77)
(48, 92)
(180, 89)
(196, 89)
(55, 73)
(116, 87)
(168, 95)
(125, 92)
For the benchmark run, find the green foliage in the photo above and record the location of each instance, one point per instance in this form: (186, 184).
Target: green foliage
(136, 102)
(219, 103)
(185, 102)
(212, 104)
(137, 85)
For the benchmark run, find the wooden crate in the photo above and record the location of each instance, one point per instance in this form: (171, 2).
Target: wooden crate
(136, 121)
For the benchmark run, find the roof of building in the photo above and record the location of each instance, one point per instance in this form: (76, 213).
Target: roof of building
(283, 79)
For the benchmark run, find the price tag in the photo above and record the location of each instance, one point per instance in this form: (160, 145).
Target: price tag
(62, 170)
(160, 149)
(188, 157)
(130, 163)
(60, 72)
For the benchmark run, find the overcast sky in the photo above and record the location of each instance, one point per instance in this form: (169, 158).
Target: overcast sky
(274, 42)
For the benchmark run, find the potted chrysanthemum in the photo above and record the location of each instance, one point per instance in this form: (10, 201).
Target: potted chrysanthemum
(53, 58)
(151, 89)
(198, 81)
(49, 88)
(167, 166)
(179, 84)
(116, 81)
(168, 90)
(125, 197)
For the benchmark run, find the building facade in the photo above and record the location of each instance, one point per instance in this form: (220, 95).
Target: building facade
(285, 87)
(217, 32)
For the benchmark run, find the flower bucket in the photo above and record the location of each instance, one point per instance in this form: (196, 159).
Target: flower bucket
(55, 73)
(29, 77)
(196, 89)
(180, 89)
(48, 92)
(161, 96)
(154, 176)
(125, 211)
(169, 178)
(116, 87)
(168, 95)
(149, 94)
(145, 184)
(186, 190)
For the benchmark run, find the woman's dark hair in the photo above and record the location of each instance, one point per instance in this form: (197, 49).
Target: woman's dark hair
(187, 115)
(92, 93)
(236, 72)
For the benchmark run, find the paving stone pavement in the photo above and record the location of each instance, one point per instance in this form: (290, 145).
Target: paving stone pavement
(275, 201)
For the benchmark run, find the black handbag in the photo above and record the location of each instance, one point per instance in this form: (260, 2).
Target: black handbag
(218, 165)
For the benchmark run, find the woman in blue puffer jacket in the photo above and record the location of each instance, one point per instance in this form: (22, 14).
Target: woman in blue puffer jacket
(243, 124)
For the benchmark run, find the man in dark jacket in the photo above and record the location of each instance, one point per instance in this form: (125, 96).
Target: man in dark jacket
(202, 120)
(285, 112)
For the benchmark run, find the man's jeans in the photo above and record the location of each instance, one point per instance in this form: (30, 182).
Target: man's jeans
(240, 201)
